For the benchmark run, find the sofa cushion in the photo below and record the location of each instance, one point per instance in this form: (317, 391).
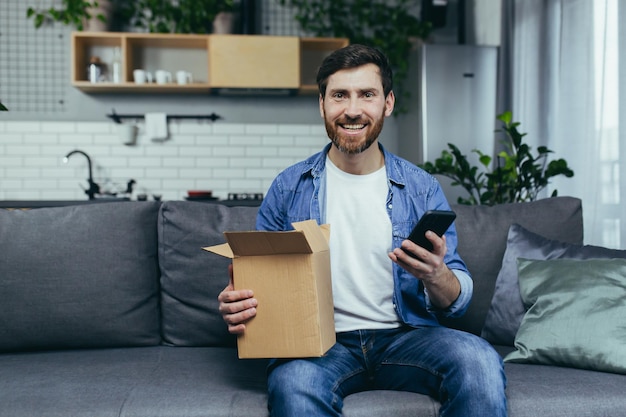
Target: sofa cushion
(575, 315)
(540, 390)
(79, 277)
(162, 381)
(155, 381)
(482, 232)
(192, 278)
(507, 309)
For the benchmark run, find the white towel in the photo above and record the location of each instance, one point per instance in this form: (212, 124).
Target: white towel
(156, 126)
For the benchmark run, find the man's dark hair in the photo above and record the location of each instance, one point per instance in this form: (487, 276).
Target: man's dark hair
(353, 56)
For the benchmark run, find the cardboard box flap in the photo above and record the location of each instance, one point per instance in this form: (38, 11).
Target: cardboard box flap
(317, 236)
(223, 250)
(307, 237)
(260, 243)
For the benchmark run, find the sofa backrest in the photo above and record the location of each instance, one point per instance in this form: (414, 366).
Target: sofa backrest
(192, 278)
(483, 231)
(79, 277)
(103, 275)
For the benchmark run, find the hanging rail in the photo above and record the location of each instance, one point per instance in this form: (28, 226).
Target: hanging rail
(117, 118)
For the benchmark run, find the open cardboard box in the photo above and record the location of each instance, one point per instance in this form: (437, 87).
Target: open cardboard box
(289, 273)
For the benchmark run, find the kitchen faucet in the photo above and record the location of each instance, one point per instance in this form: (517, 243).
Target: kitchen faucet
(93, 187)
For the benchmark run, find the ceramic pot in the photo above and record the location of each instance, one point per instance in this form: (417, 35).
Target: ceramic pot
(224, 23)
(95, 25)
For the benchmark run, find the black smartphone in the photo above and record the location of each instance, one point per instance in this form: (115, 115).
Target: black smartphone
(436, 220)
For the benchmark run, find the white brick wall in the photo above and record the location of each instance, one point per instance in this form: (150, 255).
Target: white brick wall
(217, 156)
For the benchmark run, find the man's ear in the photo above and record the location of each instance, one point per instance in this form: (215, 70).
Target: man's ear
(390, 102)
(321, 106)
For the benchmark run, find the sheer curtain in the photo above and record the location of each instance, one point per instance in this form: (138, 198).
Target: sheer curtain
(563, 87)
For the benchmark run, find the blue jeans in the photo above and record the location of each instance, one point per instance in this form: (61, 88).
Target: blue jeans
(460, 370)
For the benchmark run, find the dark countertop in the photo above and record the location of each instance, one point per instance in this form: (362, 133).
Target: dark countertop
(28, 204)
(54, 203)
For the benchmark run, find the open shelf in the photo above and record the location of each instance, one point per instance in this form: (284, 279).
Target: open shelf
(224, 62)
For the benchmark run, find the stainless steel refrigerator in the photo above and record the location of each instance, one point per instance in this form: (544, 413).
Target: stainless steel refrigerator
(453, 100)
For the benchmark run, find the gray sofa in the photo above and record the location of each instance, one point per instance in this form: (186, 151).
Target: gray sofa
(110, 310)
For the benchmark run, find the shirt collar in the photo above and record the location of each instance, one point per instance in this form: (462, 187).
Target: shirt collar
(316, 164)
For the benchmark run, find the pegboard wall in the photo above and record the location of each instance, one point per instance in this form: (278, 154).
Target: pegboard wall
(278, 20)
(35, 63)
(34, 69)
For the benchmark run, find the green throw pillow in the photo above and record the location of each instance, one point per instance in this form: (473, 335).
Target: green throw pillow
(576, 314)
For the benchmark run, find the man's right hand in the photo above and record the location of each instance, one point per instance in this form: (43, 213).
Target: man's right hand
(236, 307)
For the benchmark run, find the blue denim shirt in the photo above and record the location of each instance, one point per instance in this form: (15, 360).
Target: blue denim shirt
(298, 194)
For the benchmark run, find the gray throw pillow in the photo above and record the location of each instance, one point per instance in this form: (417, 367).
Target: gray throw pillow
(192, 278)
(79, 277)
(507, 310)
(575, 316)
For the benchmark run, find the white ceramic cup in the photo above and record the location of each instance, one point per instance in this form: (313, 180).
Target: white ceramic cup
(142, 76)
(183, 77)
(163, 77)
(127, 134)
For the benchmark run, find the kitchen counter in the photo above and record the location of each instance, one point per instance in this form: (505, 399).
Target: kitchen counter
(30, 204)
(19, 204)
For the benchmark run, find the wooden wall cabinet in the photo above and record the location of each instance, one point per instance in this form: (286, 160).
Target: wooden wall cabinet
(217, 62)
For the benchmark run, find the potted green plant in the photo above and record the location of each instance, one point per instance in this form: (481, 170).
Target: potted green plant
(182, 16)
(78, 13)
(388, 26)
(517, 177)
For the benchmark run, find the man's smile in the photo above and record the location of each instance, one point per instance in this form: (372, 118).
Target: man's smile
(352, 126)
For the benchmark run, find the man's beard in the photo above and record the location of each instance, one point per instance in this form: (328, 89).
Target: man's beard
(347, 144)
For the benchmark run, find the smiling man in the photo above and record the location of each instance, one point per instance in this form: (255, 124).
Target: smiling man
(386, 302)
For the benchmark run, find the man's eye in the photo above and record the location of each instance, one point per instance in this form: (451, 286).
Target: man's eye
(338, 95)
(369, 94)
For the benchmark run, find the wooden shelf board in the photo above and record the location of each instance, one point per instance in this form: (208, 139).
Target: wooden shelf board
(106, 87)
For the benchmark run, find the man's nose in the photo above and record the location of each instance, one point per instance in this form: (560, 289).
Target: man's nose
(353, 108)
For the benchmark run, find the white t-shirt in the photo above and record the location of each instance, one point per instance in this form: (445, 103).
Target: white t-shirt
(360, 239)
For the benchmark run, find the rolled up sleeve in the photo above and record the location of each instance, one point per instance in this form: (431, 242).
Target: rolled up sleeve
(458, 307)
